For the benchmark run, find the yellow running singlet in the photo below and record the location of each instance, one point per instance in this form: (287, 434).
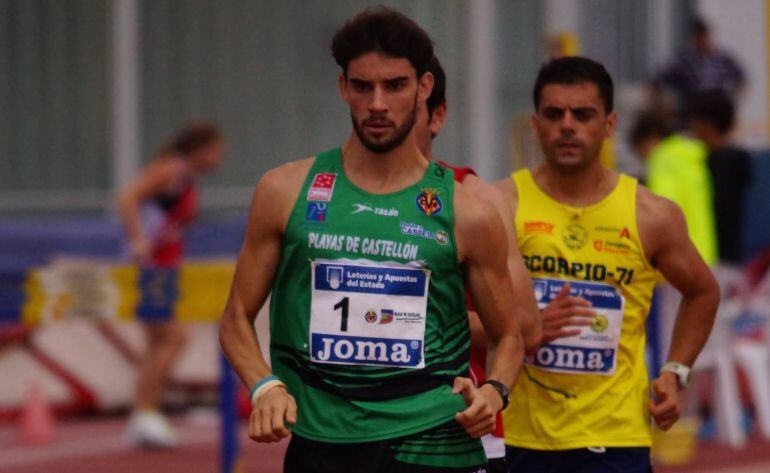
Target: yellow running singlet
(591, 389)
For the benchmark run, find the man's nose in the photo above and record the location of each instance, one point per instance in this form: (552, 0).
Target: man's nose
(378, 102)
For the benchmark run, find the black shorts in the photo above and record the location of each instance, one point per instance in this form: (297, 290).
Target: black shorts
(581, 460)
(443, 449)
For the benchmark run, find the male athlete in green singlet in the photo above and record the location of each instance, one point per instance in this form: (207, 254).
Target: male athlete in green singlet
(366, 249)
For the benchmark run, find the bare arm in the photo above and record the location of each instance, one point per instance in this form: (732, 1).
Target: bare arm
(664, 234)
(480, 237)
(252, 281)
(254, 274)
(663, 230)
(527, 315)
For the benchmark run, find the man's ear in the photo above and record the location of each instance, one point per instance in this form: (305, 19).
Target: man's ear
(342, 83)
(425, 87)
(437, 119)
(610, 124)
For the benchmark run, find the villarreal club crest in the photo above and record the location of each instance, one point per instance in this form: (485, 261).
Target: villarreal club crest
(429, 202)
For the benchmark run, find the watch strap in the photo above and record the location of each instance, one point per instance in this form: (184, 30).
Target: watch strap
(681, 371)
(500, 388)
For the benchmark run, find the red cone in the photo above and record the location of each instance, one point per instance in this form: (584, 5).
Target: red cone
(37, 420)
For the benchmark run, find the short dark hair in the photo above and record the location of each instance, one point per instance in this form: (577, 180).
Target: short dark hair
(714, 107)
(383, 30)
(648, 125)
(191, 137)
(574, 70)
(438, 95)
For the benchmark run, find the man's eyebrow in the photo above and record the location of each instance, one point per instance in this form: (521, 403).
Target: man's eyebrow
(584, 109)
(397, 79)
(587, 108)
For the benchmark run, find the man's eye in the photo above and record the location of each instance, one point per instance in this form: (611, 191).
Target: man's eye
(583, 115)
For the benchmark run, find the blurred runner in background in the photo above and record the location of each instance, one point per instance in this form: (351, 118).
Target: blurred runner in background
(155, 209)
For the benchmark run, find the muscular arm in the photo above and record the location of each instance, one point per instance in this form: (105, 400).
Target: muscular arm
(664, 235)
(256, 267)
(252, 282)
(480, 237)
(528, 315)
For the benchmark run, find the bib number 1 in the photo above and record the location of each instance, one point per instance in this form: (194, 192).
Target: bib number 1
(344, 305)
(368, 313)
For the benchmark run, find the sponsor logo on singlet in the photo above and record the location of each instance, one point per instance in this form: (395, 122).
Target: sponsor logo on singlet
(415, 229)
(322, 187)
(574, 236)
(316, 211)
(585, 271)
(391, 212)
(429, 202)
(606, 229)
(538, 227)
(369, 350)
(612, 247)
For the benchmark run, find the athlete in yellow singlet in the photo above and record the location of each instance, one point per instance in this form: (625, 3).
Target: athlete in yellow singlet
(595, 242)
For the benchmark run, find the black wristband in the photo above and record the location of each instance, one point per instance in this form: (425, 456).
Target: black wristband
(501, 389)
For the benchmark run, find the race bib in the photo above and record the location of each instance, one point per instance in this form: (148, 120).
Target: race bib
(595, 349)
(367, 313)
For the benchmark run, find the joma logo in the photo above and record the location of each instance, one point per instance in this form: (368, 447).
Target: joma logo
(573, 358)
(335, 349)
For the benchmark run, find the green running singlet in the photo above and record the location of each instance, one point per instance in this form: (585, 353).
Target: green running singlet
(368, 319)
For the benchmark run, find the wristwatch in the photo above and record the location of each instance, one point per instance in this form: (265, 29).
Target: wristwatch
(501, 389)
(681, 371)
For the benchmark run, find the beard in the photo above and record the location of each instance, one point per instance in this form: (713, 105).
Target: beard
(384, 145)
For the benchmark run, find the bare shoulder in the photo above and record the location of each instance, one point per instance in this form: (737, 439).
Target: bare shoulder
(508, 191)
(483, 189)
(659, 220)
(285, 179)
(278, 189)
(475, 218)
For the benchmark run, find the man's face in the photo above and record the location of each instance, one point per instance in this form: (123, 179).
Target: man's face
(571, 124)
(428, 126)
(383, 93)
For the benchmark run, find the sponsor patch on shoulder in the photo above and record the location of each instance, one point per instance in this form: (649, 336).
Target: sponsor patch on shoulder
(322, 187)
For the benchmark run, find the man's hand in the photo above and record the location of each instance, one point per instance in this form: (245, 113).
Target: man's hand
(479, 418)
(665, 406)
(270, 415)
(565, 310)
